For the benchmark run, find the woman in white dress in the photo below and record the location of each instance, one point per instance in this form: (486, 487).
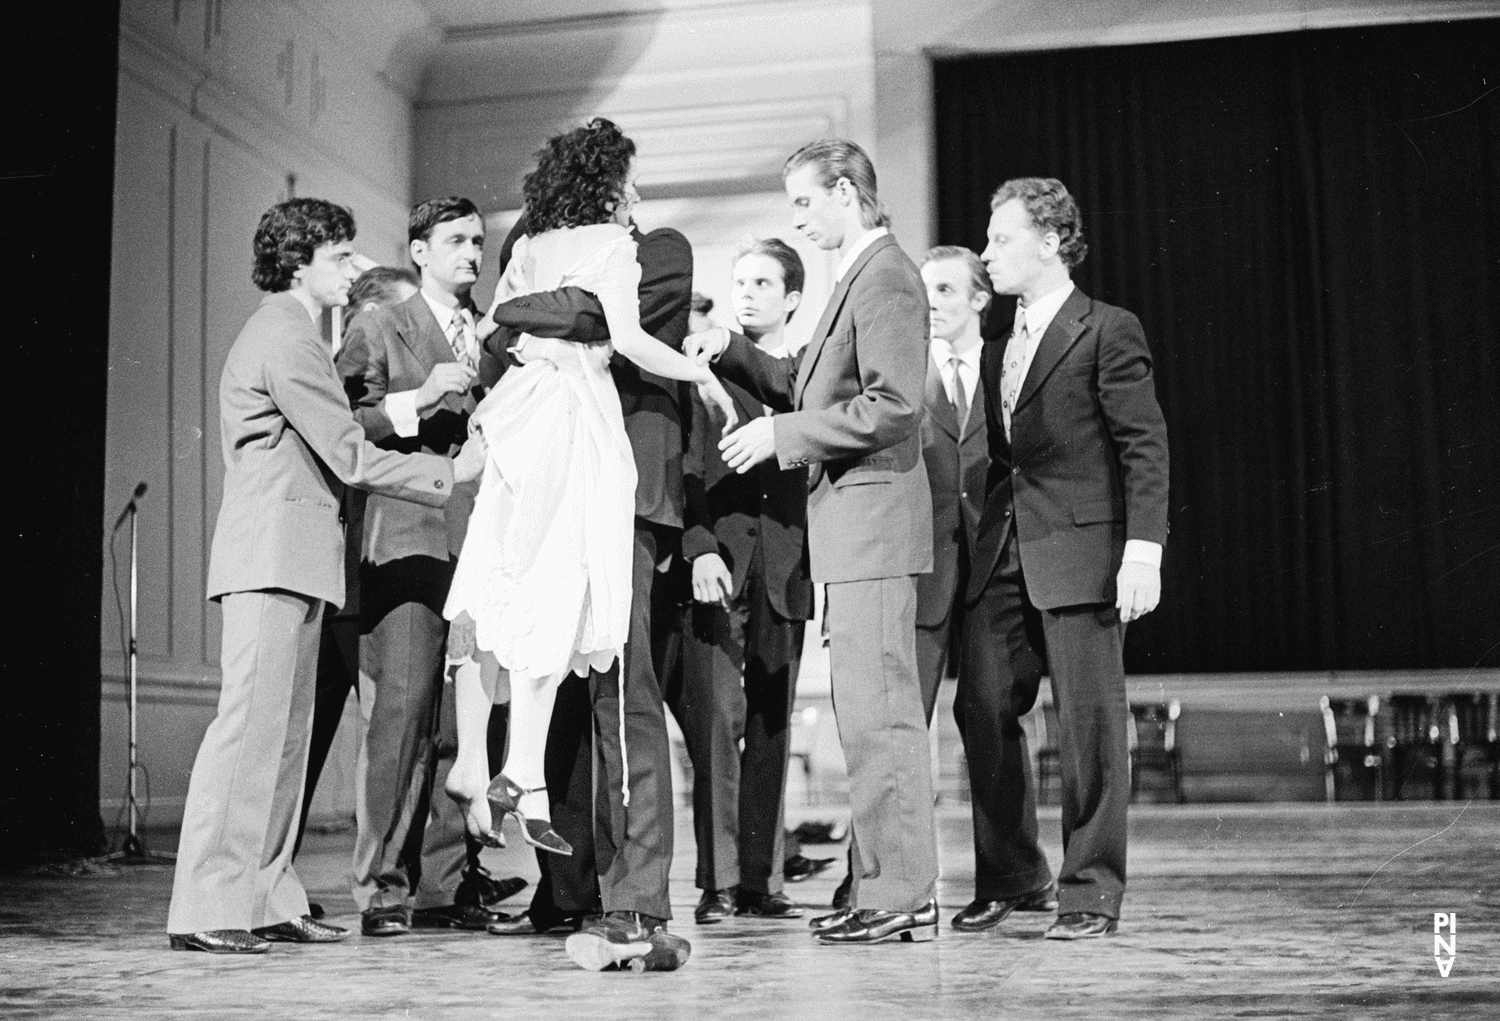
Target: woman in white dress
(543, 583)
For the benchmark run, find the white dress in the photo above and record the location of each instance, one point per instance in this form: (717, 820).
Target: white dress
(545, 570)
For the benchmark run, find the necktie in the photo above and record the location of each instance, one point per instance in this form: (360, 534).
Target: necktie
(459, 333)
(960, 396)
(1010, 372)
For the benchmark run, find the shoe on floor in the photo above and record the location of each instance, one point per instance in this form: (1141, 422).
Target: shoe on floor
(220, 941)
(1081, 925)
(714, 906)
(394, 920)
(765, 905)
(797, 868)
(614, 940)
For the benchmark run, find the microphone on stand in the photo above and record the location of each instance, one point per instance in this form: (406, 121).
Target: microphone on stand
(140, 491)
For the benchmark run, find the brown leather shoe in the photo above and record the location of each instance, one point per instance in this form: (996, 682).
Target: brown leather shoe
(306, 929)
(1081, 925)
(220, 941)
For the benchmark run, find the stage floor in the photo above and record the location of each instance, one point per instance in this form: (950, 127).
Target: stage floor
(1232, 911)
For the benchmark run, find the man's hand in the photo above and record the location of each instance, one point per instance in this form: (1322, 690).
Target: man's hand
(706, 346)
(469, 464)
(712, 582)
(750, 445)
(1139, 590)
(445, 378)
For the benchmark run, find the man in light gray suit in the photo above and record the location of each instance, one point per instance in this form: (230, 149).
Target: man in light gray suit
(290, 447)
(849, 410)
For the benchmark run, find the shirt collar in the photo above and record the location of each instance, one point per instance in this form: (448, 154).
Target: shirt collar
(441, 312)
(942, 353)
(866, 240)
(1040, 313)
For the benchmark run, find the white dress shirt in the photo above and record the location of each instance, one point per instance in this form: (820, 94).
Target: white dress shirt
(401, 408)
(866, 239)
(968, 371)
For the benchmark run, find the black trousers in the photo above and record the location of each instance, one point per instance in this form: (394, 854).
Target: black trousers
(738, 684)
(338, 674)
(626, 854)
(1010, 644)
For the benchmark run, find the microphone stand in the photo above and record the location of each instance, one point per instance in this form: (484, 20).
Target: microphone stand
(134, 851)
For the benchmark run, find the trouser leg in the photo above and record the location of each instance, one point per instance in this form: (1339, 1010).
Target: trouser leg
(773, 655)
(997, 685)
(1085, 649)
(878, 703)
(234, 859)
(402, 653)
(569, 884)
(338, 674)
(710, 707)
(633, 842)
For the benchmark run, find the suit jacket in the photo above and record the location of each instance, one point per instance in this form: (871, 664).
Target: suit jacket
(290, 447)
(390, 350)
(956, 472)
(656, 419)
(1085, 467)
(853, 406)
(732, 514)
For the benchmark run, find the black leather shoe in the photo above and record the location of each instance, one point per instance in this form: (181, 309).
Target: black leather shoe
(986, 914)
(614, 940)
(765, 905)
(480, 888)
(841, 895)
(220, 941)
(872, 926)
(823, 923)
(306, 929)
(315, 910)
(390, 921)
(525, 924)
(714, 906)
(797, 868)
(1081, 925)
(470, 917)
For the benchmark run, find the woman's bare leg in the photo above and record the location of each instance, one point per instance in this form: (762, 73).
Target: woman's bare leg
(475, 684)
(531, 701)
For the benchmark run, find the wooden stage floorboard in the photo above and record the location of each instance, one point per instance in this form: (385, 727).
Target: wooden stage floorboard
(1279, 911)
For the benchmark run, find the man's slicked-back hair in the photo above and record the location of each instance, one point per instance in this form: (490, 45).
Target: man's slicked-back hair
(288, 235)
(379, 285)
(1052, 211)
(834, 158)
(793, 275)
(427, 215)
(979, 277)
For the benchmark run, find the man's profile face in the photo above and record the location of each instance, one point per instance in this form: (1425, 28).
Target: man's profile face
(816, 210)
(328, 276)
(761, 301)
(951, 301)
(1016, 250)
(452, 254)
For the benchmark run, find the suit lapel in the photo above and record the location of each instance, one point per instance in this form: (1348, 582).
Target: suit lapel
(835, 304)
(422, 335)
(938, 406)
(1066, 327)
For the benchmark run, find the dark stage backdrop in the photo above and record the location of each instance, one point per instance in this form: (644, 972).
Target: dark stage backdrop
(56, 190)
(1308, 225)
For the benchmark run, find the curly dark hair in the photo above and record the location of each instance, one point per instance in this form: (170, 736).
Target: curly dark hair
(579, 177)
(288, 235)
(1052, 211)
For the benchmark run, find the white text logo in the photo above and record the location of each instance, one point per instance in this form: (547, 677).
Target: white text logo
(1441, 945)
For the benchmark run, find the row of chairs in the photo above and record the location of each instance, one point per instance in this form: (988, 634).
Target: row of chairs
(1155, 759)
(1412, 747)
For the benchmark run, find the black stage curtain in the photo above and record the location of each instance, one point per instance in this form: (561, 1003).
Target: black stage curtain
(57, 190)
(1308, 225)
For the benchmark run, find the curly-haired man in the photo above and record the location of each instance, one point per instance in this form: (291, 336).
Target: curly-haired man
(290, 446)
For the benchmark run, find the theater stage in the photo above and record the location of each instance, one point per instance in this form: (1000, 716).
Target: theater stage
(1233, 911)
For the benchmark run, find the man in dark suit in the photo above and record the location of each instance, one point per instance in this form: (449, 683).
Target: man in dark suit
(745, 539)
(1069, 552)
(413, 372)
(849, 409)
(619, 856)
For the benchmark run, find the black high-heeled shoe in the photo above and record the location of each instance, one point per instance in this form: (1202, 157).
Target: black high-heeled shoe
(504, 795)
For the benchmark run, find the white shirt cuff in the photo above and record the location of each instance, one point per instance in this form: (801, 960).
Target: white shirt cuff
(1139, 551)
(401, 409)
